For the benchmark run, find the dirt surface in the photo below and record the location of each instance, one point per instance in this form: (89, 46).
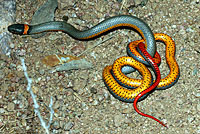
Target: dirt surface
(82, 103)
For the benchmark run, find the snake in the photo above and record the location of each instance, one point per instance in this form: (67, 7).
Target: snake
(110, 24)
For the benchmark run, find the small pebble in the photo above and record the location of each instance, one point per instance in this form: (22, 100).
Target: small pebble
(197, 94)
(56, 125)
(95, 102)
(182, 31)
(100, 97)
(68, 126)
(11, 106)
(93, 90)
(2, 110)
(190, 119)
(137, 2)
(41, 71)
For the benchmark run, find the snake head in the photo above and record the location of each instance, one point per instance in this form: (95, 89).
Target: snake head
(16, 29)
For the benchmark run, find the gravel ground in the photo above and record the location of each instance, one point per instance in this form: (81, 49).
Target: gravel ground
(82, 103)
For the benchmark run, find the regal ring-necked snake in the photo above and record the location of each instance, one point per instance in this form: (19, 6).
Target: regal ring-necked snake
(104, 27)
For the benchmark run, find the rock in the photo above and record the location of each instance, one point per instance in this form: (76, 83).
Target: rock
(44, 14)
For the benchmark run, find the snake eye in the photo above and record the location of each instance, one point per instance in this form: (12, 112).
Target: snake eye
(16, 29)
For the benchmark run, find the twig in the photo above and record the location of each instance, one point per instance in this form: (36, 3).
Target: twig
(36, 106)
(51, 111)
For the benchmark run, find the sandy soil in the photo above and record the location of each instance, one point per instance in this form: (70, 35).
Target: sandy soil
(82, 103)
